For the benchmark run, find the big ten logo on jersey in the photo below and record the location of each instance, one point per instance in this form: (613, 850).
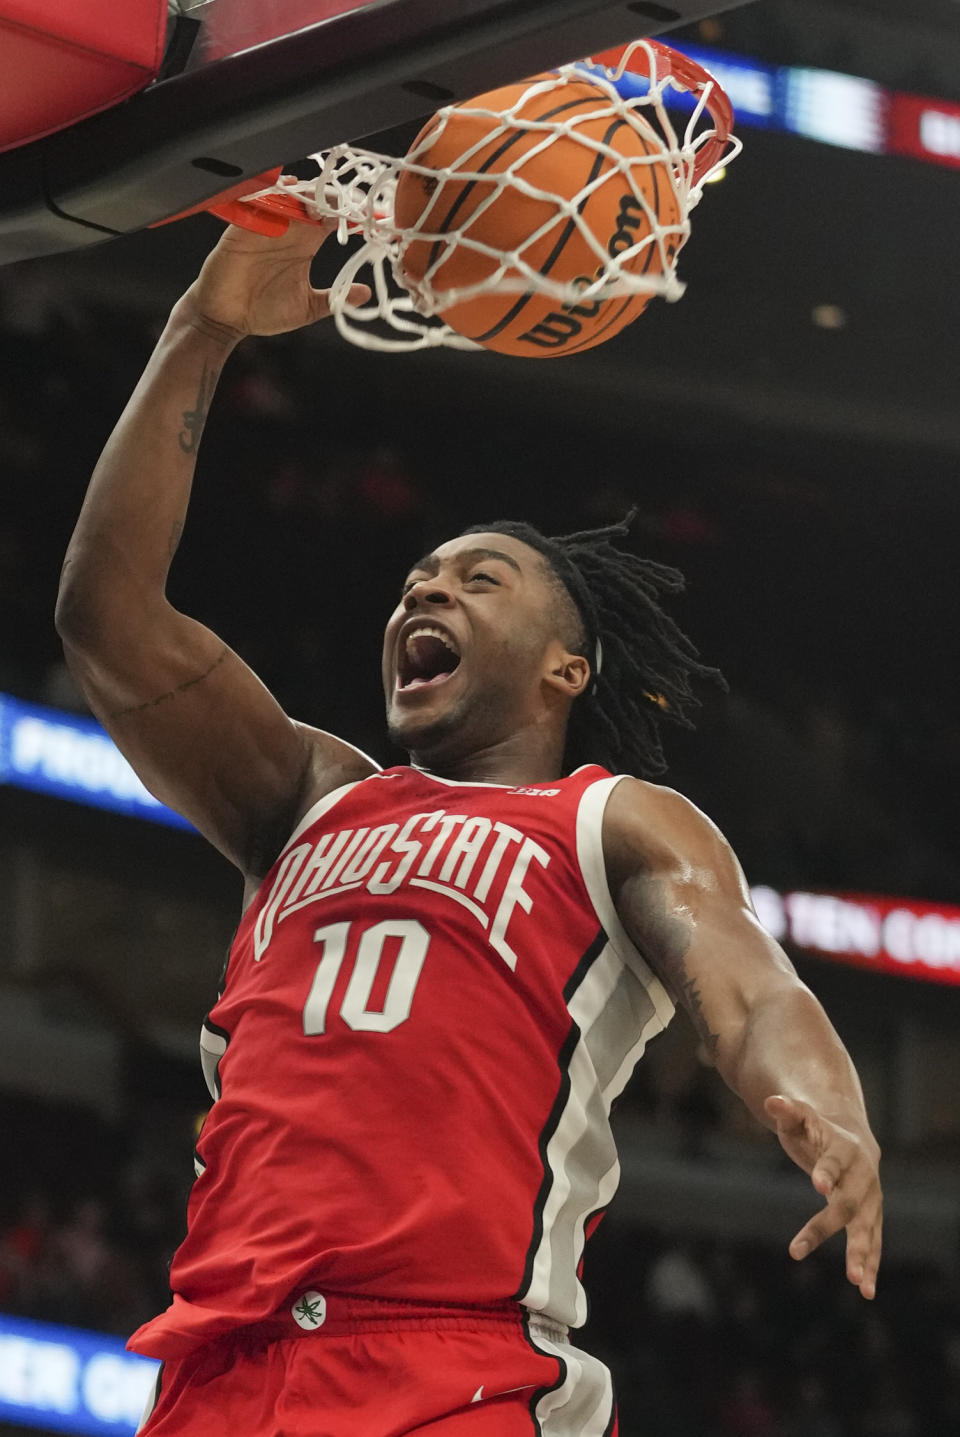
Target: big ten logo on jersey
(480, 864)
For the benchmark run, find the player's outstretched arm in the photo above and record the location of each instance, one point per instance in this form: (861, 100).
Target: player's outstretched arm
(682, 897)
(196, 724)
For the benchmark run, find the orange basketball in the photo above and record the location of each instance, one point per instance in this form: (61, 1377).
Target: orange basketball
(535, 325)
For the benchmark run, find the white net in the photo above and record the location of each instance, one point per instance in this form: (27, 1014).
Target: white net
(409, 268)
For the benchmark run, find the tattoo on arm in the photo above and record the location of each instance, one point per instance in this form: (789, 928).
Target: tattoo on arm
(689, 995)
(194, 419)
(664, 939)
(172, 693)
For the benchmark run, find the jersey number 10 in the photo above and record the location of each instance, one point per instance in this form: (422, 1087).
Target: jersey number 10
(335, 939)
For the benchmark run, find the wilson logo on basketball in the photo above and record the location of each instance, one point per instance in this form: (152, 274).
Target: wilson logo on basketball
(560, 326)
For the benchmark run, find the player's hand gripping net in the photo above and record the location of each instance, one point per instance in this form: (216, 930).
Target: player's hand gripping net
(358, 188)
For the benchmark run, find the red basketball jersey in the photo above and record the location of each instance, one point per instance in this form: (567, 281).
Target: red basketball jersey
(428, 1010)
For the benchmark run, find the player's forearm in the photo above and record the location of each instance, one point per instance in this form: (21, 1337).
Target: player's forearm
(789, 1046)
(120, 553)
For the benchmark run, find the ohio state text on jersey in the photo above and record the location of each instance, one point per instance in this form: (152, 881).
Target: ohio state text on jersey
(428, 1010)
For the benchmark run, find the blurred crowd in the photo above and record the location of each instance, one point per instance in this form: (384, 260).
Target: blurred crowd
(705, 1338)
(91, 1214)
(714, 1340)
(834, 760)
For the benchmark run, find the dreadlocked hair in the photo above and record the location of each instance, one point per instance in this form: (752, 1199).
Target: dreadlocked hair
(647, 664)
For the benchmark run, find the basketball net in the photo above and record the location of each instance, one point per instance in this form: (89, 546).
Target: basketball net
(356, 188)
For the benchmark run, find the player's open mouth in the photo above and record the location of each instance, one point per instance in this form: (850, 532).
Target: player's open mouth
(427, 655)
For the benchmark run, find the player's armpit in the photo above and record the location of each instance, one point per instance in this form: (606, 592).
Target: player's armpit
(205, 735)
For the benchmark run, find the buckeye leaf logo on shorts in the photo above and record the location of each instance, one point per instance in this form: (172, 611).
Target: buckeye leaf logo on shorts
(310, 1311)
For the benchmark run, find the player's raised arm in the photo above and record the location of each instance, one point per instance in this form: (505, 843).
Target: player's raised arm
(196, 724)
(682, 897)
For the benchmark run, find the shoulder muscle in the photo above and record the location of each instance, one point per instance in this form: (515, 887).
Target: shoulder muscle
(655, 830)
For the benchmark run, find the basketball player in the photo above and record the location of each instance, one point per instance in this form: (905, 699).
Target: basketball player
(445, 972)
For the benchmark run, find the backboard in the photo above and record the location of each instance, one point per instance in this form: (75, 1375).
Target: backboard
(245, 85)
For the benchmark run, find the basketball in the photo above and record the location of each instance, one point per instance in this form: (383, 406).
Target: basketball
(504, 218)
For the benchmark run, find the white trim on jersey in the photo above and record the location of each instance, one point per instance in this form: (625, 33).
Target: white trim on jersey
(593, 867)
(583, 1403)
(458, 782)
(616, 1007)
(322, 806)
(153, 1397)
(212, 1048)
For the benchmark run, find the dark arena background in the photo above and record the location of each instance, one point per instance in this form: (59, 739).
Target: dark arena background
(790, 435)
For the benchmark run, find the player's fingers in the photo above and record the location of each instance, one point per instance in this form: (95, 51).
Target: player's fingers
(862, 1268)
(863, 1260)
(357, 294)
(846, 1172)
(864, 1244)
(297, 244)
(860, 1239)
(868, 1283)
(785, 1112)
(305, 239)
(828, 1172)
(299, 236)
(831, 1219)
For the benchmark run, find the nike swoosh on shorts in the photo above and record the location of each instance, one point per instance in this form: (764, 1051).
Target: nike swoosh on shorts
(479, 1397)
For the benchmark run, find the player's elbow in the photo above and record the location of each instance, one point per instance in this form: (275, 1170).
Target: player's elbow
(76, 615)
(84, 633)
(84, 619)
(95, 607)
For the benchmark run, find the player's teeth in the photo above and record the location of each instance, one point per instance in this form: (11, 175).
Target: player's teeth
(428, 632)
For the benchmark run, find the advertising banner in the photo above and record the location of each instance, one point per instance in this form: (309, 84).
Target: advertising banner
(905, 936)
(68, 1380)
(70, 756)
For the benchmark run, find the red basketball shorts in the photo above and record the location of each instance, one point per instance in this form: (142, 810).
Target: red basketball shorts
(348, 1367)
